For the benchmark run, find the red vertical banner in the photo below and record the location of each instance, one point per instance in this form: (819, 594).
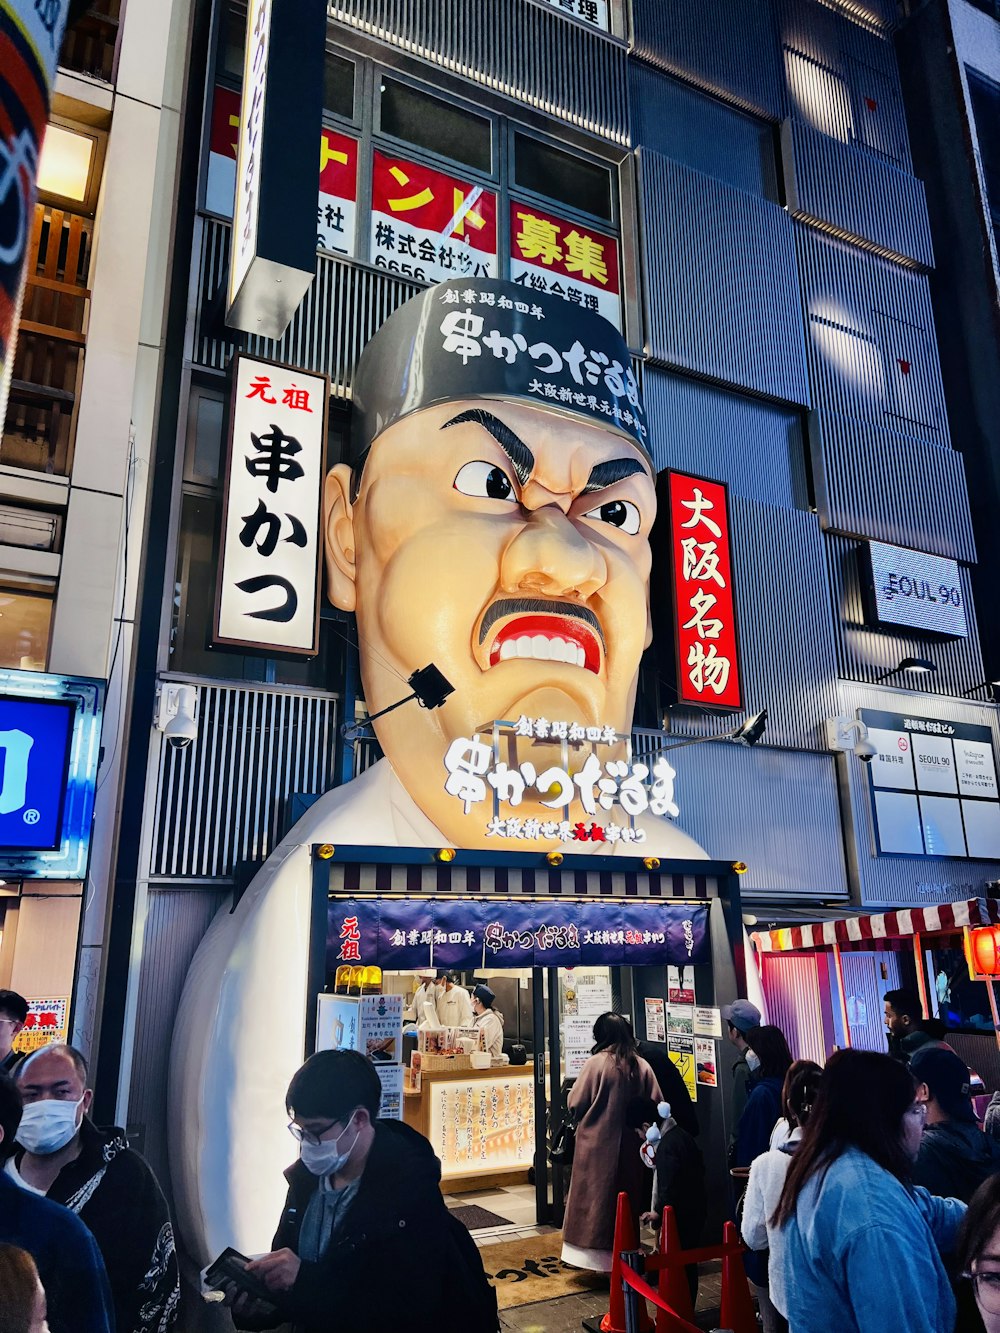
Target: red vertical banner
(708, 668)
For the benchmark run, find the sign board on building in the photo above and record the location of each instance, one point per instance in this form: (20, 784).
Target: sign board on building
(267, 594)
(428, 225)
(708, 667)
(336, 207)
(915, 590)
(273, 253)
(594, 13)
(550, 254)
(934, 786)
(50, 730)
(47, 1021)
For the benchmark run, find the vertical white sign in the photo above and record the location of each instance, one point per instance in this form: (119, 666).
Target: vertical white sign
(267, 597)
(249, 157)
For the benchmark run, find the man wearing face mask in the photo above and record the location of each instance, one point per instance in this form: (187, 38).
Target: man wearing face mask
(63, 1155)
(365, 1241)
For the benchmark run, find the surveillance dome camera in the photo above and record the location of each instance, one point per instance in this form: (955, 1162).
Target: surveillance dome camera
(181, 730)
(865, 750)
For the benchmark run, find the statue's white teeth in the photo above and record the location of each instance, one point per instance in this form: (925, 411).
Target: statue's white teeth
(541, 648)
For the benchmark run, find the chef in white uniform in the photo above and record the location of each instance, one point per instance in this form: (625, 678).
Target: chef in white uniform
(454, 1005)
(493, 518)
(488, 1019)
(425, 1001)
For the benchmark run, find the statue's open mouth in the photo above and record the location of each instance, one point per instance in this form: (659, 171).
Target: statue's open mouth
(544, 632)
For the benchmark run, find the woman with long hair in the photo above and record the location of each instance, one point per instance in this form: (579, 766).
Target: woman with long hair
(862, 1246)
(22, 1300)
(767, 1176)
(606, 1160)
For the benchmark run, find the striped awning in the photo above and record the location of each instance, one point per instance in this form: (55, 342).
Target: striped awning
(885, 926)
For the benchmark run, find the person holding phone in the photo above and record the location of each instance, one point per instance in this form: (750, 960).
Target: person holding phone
(365, 1242)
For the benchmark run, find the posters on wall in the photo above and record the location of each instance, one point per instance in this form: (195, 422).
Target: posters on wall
(680, 985)
(267, 594)
(681, 1050)
(934, 786)
(336, 209)
(707, 1021)
(552, 254)
(578, 1043)
(429, 225)
(655, 1020)
(372, 1025)
(47, 1021)
(680, 1019)
(705, 1062)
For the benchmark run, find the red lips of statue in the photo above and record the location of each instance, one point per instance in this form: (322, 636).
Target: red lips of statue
(573, 635)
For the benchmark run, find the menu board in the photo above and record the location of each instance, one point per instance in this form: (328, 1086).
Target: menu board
(482, 1124)
(934, 786)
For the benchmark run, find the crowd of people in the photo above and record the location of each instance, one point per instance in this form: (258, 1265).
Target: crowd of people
(866, 1191)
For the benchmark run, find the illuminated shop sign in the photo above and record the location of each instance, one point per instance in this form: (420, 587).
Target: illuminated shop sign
(708, 668)
(477, 775)
(273, 255)
(916, 590)
(402, 935)
(336, 207)
(550, 254)
(50, 729)
(267, 596)
(934, 786)
(428, 225)
(594, 13)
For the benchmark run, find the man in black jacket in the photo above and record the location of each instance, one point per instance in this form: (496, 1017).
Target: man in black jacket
(955, 1155)
(365, 1242)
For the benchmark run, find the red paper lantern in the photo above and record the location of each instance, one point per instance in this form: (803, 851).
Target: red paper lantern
(985, 949)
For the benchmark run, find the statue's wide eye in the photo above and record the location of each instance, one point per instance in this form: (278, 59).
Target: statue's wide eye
(488, 480)
(621, 514)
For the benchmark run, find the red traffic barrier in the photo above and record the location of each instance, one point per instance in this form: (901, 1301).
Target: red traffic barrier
(673, 1284)
(614, 1320)
(736, 1311)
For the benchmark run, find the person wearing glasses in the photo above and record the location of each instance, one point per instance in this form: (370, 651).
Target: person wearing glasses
(862, 1245)
(365, 1242)
(978, 1257)
(13, 1012)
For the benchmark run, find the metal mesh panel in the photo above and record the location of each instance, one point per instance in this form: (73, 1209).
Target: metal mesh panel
(222, 799)
(342, 309)
(527, 52)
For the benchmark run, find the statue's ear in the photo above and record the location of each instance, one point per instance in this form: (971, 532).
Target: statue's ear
(338, 530)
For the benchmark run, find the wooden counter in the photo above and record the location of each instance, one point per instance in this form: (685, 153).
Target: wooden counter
(480, 1122)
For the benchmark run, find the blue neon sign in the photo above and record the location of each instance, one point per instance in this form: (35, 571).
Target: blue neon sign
(34, 756)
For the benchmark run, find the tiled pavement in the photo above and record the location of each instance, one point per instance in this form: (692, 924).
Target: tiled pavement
(567, 1313)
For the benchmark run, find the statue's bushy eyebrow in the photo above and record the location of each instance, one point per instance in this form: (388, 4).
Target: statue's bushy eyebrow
(521, 457)
(615, 469)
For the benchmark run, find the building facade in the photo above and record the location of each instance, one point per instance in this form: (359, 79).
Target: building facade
(731, 183)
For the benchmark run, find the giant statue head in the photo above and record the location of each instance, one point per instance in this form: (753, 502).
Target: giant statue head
(494, 519)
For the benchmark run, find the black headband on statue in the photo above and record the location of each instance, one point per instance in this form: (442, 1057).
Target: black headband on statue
(484, 338)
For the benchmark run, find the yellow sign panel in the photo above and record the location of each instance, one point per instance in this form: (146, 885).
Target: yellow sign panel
(47, 1021)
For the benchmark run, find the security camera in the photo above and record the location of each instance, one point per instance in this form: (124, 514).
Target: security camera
(844, 733)
(177, 714)
(865, 750)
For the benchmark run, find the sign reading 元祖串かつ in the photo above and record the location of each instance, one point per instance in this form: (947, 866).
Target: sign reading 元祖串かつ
(267, 598)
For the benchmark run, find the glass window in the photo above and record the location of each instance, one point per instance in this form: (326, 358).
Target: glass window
(205, 416)
(234, 32)
(338, 86)
(25, 625)
(985, 98)
(703, 133)
(559, 175)
(430, 123)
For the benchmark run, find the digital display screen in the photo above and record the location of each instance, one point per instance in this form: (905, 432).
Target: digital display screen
(35, 737)
(919, 591)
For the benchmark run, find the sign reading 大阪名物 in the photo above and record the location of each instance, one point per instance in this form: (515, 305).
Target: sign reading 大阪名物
(914, 589)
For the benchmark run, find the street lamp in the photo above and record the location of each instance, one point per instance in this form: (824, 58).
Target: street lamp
(430, 689)
(747, 733)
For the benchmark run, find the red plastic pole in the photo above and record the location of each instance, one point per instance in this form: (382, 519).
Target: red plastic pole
(614, 1320)
(673, 1285)
(736, 1311)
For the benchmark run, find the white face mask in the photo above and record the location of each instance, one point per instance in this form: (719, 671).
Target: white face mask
(47, 1126)
(753, 1061)
(323, 1159)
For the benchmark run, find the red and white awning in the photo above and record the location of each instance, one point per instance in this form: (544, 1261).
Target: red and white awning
(886, 926)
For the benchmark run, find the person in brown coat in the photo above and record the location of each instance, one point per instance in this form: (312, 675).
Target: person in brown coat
(606, 1158)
